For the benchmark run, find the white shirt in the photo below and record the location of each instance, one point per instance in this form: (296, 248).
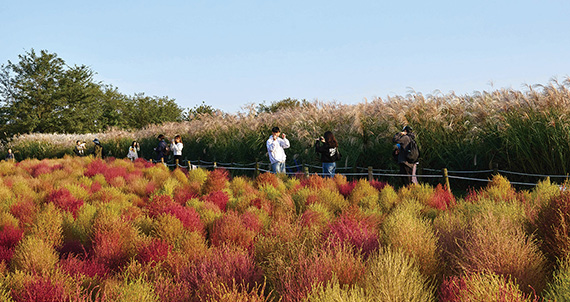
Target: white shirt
(275, 149)
(177, 148)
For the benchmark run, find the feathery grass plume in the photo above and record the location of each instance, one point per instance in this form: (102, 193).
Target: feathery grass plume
(230, 229)
(48, 226)
(355, 229)
(558, 289)
(406, 230)
(482, 287)
(393, 276)
(496, 244)
(10, 236)
(226, 265)
(34, 255)
(554, 227)
(64, 200)
(364, 195)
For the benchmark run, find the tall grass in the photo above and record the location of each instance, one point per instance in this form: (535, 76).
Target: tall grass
(525, 131)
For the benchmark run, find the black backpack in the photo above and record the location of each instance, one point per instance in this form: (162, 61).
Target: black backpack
(413, 152)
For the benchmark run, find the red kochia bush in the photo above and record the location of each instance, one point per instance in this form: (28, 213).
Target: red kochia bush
(153, 251)
(346, 189)
(78, 266)
(350, 228)
(442, 199)
(40, 289)
(227, 265)
(230, 229)
(554, 227)
(217, 180)
(378, 185)
(25, 211)
(63, 199)
(218, 198)
(164, 204)
(10, 236)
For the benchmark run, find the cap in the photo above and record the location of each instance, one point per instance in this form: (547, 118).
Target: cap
(407, 128)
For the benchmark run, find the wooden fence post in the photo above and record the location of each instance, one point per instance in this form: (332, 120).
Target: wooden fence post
(306, 171)
(446, 179)
(370, 174)
(256, 169)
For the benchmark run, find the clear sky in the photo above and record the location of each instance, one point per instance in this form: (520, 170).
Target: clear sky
(232, 53)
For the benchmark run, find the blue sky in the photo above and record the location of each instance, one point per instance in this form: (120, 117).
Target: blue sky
(233, 53)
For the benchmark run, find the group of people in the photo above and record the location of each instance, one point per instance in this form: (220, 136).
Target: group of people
(327, 147)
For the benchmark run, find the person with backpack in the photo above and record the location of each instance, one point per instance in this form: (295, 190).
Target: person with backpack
(98, 149)
(327, 146)
(406, 153)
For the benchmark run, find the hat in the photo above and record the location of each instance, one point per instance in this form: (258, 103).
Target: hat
(96, 141)
(407, 128)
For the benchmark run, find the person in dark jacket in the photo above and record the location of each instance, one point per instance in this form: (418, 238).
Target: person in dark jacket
(161, 149)
(402, 139)
(327, 146)
(98, 149)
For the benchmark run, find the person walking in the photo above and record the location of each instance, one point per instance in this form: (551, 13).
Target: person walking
(176, 148)
(98, 149)
(276, 145)
(134, 151)
(327, 146)
(161, 149)
(406, 159)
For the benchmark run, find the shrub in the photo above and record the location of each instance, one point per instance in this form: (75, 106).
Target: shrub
(364, 195)
(63, 199)
(494, 244)
(114, 242)
(230, 229)
(48, 226)
(333, 291)
(558, 289)
(40, 289)
(388, 198)
(25, 211)
(554, 227)
(34, 255)
(217, 181)
(219, 198)
(442, 199)
(394, 276)
(226, 265)
(79, 266)
(404, 229)
(481, 287)
(451, 228)
(153, 251)
(351, 228)
(10, 236)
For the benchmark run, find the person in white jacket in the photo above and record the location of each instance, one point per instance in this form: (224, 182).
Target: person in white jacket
(275, 149)
(176, 148)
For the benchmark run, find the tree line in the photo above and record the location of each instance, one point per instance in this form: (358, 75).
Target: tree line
(42, 94)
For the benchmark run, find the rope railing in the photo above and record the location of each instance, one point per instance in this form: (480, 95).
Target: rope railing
(371, 173)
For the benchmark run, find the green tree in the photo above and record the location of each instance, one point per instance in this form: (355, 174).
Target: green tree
(41, 93)
(143, 110)
(283, 104)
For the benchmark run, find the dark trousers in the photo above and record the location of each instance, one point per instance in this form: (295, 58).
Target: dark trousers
(406, 169)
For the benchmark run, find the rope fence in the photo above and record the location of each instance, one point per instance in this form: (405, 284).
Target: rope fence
(369, 172)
